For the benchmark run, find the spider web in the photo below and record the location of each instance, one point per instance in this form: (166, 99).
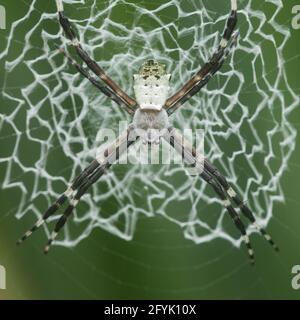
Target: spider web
(50, 118)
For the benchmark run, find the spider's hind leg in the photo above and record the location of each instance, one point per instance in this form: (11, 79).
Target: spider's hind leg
(191, 156)
(238, 201)
(105, 160)
(67, 195)
(81, 184)
(230, 209)
(84, 186)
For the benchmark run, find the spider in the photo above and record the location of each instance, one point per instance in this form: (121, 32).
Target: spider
(150, 111)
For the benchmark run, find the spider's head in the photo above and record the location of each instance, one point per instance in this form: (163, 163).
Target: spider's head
(151, 85)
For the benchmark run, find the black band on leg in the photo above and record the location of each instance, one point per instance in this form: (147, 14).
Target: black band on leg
(231, 24)
(66, 25)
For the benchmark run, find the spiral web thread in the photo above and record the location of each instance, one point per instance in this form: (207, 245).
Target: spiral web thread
(56, 114)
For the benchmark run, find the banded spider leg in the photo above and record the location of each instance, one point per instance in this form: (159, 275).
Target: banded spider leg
(82, 183)
(219, 183)
(201, 78)
(91, 64)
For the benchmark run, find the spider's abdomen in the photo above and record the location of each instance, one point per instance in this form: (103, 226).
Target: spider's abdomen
(151, 92)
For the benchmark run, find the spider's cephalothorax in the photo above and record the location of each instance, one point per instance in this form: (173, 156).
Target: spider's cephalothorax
(150, 113)
(151, 86)
(150, 125)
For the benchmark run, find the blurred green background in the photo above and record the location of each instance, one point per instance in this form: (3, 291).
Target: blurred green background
(159, 263)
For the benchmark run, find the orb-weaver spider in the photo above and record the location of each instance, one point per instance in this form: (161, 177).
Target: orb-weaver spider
(151, 110)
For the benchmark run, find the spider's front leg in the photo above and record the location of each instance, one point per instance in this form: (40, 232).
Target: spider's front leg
(201, 78)
(225, 192)
(82, 183)
(105, 90)
(118, 93)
